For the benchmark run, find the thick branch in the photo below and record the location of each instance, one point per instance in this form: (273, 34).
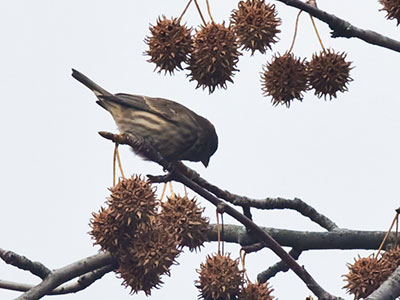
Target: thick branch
(59, 276)
(343, 239)
(175, 174)
(342, 28)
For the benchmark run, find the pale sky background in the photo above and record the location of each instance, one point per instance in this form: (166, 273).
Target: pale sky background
(341, 157)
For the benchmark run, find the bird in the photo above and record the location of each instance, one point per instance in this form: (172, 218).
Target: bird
(172, 129)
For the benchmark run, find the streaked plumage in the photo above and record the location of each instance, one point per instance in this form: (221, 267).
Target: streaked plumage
(174, 130)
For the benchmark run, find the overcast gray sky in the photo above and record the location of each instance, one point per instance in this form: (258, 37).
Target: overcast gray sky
(341, 157)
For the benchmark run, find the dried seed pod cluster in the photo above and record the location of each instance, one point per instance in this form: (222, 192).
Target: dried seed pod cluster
(183, 218)
(256, 291)
(392, 8)
(132, 201)
(256, 25)
(328, 73)
(140, 237)
(151, 254)
(220, 278)
(169, 44)
(285, 79)
(212, 53)
(366, 274)
(214, 56)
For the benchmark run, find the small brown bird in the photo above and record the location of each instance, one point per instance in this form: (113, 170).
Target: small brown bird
(175, 131)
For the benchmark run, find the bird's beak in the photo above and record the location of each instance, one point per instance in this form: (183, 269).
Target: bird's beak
(205, 162)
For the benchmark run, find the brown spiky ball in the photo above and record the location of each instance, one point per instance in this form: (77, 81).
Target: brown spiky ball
(169, 44)
(220, 278)
(183, 217)
(132, 201)
(256, 25)
(366, 275)
(214, 56)
(150, 255)
(284, 79)
(256, 291)
(392, 8)
(328, 73)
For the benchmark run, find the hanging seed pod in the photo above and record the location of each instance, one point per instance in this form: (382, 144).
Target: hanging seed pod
(255, 24)
(169, 44)
(392, 8)
(220, 278)
(328, 73)
(132, 202)
(149, 256)
(366, 275)
(256, 291)
(214, 57)
(284, 79)
(183, 218)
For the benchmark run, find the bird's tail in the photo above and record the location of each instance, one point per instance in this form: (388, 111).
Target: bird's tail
(98, 90)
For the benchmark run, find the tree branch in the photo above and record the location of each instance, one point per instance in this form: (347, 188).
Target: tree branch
(21, 262)
(280, 266)
(343, 239)
(83, 282)
(61, 275)
(342, 28)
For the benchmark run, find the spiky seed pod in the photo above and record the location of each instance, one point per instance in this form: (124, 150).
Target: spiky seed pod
(392, 8)
(284, 79)
(256, 291)
(392, 257)
(214, 56)
(169, 44)
(132, 202)
(220, 278)
(183, 217)
(255, 24)
(366, 275)
(150, 256)
(328, 72)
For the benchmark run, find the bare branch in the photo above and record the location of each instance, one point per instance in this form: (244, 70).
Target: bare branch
(343, 239)
(21, 262)
(59, 276)
(278, 267)
(342, 28)
(83, 282)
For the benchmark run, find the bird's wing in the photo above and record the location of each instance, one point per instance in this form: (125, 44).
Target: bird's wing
(170, 110)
